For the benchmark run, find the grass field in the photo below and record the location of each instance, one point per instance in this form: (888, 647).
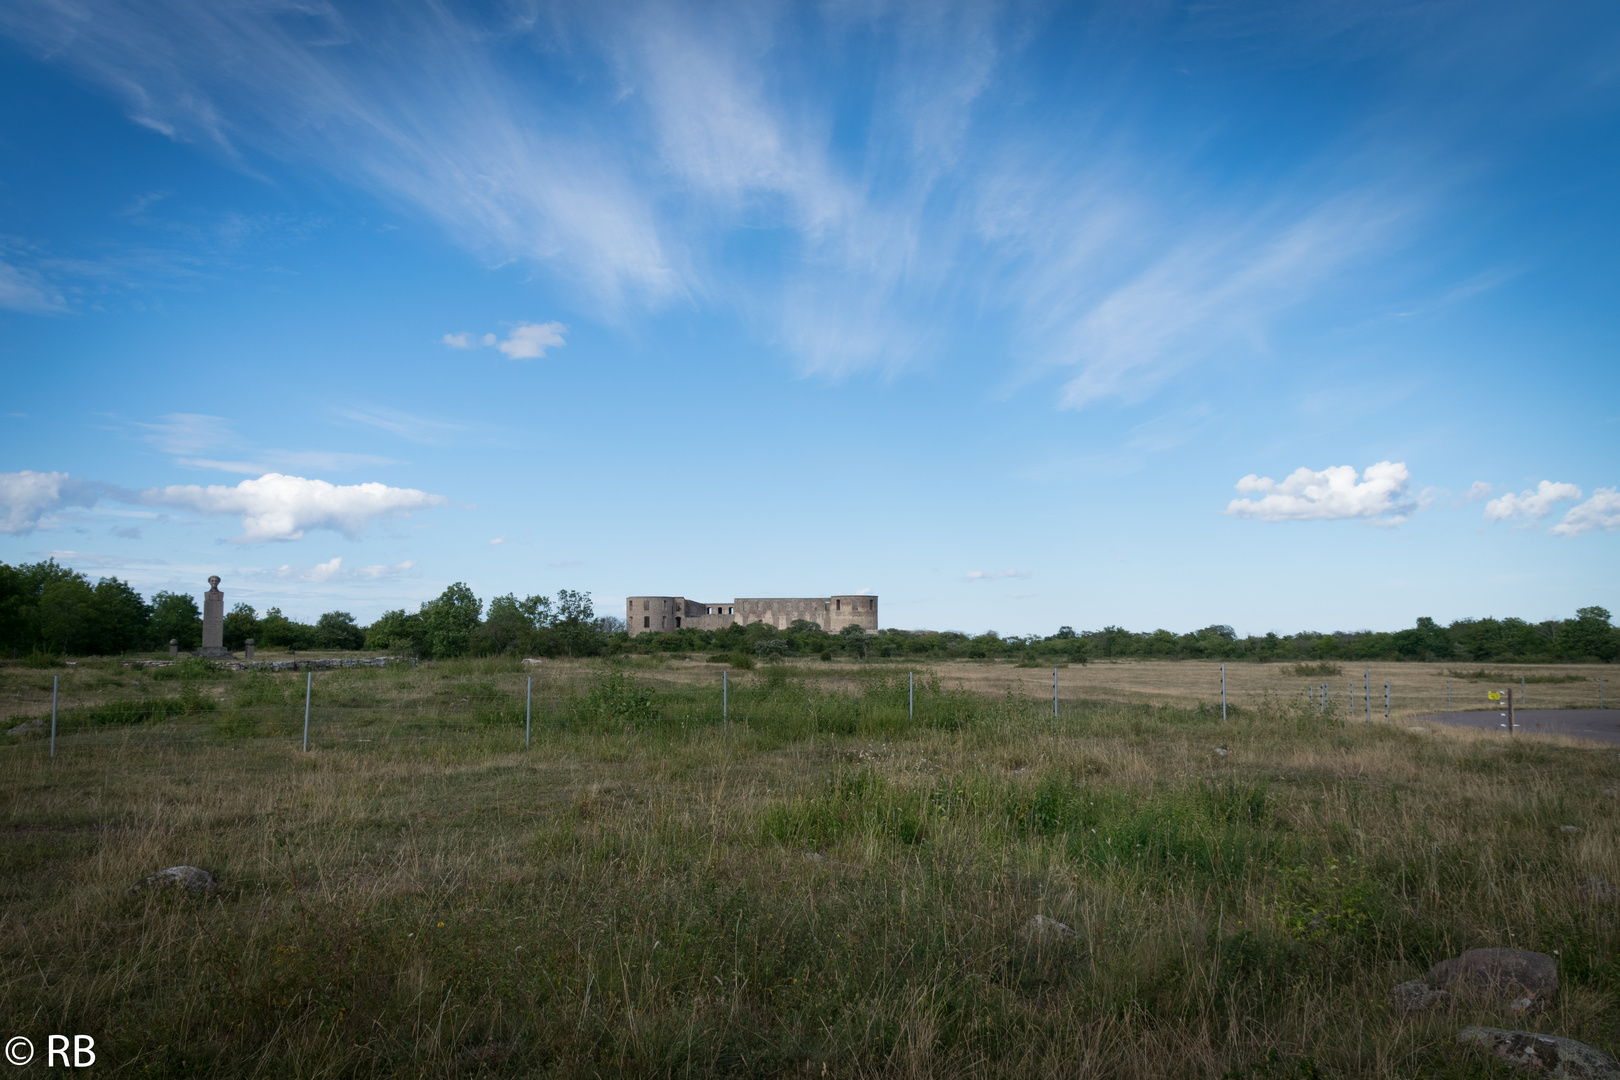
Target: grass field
(828, 885)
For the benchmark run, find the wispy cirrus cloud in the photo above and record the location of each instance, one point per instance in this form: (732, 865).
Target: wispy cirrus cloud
(332, 570)
(648, 140)
(26, 290)
(993, 575)
(1337, 493)
(189, 435)
(185, 434)
(419, 429)
(413, 107)
(279, 460)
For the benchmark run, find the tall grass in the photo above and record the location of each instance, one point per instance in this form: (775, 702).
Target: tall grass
(834, 884)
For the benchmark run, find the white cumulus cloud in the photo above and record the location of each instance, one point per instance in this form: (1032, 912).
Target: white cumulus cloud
(320, 572)
(1601, 511)
(529, 341)
(27, 499)
(993, 575)
(1333, 494)
(1531, 505)
(1478, 490)
(278, 507)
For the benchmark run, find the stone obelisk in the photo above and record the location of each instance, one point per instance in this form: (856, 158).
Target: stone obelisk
(213, 640)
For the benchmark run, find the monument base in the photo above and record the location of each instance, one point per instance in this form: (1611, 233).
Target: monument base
(214, 652)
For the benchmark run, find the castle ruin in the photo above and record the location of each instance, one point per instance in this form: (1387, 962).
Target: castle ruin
(651, 614)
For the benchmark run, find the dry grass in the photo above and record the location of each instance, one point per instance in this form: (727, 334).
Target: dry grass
(421, 896)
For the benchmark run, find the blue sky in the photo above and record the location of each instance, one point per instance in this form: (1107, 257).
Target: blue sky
(1288, 316)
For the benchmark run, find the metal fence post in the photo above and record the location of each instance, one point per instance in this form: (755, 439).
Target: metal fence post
(1386, 702)
(911, 694)
(528, 698)
(725, 709)
(1054, 693)
(1324, 698)
(1510, 710)
(1223, 693)
(309, 682)
(1367, 694)
(1448, 695)
(55, 679)
(1521, 689)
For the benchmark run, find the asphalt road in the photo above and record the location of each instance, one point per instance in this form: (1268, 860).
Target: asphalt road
(1600, 725)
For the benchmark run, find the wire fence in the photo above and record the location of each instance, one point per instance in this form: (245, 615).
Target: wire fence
(502, 706)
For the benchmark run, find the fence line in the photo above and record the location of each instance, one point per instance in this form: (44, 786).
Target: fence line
(359, 705)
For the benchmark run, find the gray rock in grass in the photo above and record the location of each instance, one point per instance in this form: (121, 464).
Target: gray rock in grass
(1498, 975)
(1597, 890)
(188, 878)
(1042, 928)
(1570, 830)
(29, 727)
(1417, 996)
(1548, 1055)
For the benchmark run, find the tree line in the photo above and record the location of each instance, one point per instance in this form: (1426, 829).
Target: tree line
(1586, 637)
(49, 609)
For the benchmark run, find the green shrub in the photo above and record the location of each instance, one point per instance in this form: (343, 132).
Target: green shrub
(615, 697)
(191, 669)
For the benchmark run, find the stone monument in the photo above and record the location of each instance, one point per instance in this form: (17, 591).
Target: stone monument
(213, 638)
(250, 648)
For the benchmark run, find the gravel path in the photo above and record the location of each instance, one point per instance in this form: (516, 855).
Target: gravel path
(1600, 725)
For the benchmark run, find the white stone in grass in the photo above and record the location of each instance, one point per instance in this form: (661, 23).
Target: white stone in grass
(1548, 1055)
(188, 878)
(1043, 928)
(815, 856)
(1570, 830)
(1221, 751)
(29, 727)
